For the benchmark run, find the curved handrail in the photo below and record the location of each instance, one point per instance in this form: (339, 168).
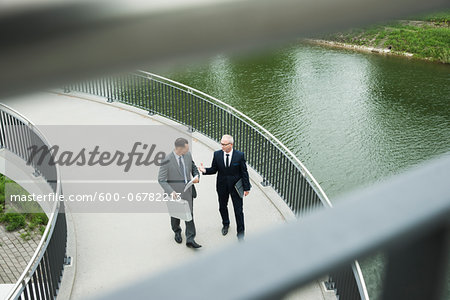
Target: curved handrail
(43, 243)
(362, 281)
(254, 123)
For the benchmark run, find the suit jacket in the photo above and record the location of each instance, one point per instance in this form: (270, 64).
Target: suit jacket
(171, 178)
(229, 176)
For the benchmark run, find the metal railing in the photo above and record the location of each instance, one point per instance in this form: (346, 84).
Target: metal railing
(278, 166)
(42, 275)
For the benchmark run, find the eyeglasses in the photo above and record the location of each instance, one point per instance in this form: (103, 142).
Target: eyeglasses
(225, 144)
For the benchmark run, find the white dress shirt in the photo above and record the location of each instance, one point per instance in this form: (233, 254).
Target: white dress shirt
(225, 157)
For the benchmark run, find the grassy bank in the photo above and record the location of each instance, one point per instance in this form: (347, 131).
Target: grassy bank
(13, 219)
(425, 37)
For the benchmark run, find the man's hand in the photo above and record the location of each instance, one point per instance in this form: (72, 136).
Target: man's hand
(196, 180)
(246, 193)
(174, 195)
(202, 168)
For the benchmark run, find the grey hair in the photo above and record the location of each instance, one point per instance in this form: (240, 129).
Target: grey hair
(229, 138)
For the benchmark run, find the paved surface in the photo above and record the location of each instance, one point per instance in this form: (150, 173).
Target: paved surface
(113, 250)
(15, 253)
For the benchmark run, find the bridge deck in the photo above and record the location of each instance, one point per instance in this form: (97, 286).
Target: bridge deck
(113, 250)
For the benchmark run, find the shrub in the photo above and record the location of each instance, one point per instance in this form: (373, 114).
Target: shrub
(37, 219)
(41, 229)
(13, 220)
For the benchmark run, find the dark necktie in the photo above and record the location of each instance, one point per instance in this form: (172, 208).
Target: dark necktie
(228, 160)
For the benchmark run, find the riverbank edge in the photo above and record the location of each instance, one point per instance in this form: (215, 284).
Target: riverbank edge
(366, 49)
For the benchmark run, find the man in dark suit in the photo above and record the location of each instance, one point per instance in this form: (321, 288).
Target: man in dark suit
(173, 175)
(231, 166)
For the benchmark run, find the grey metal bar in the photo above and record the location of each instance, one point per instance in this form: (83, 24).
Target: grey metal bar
(52, 43)
(385, 216)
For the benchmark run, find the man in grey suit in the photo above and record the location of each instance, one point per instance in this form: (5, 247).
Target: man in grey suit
(173, 175)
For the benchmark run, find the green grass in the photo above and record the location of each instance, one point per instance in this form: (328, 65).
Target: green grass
(427, 39)
(437, 17)
(13, 220)
(423, 42)
(32, 221)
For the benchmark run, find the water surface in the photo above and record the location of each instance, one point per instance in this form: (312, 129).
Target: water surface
(352, 118)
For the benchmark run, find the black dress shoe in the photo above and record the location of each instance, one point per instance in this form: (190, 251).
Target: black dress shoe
(225, 230)
(178, 237)
(193, 244)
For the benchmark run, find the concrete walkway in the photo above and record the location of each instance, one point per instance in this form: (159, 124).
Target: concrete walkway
(110, 251)
(15, 253)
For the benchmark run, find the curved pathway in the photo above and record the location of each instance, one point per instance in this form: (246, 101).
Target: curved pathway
(111, 250)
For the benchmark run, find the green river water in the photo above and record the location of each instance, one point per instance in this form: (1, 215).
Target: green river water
(352, 118)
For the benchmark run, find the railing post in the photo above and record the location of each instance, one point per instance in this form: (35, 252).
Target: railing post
(67, 260)
(36, 173)
(329, 284)
(264, 182)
